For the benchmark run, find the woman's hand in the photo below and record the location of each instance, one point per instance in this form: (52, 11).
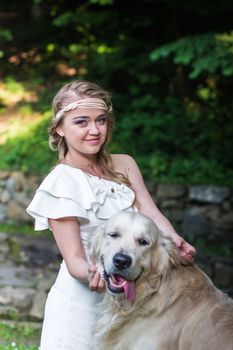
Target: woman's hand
(187, 251)
(96, 282)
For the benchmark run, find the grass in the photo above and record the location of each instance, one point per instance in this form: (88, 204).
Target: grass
(14, 346)
(24, 229)
(18, 336)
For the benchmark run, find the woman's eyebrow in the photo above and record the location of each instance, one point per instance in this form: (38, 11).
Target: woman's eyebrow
(87, 117)
(80, 117)
(101, 115)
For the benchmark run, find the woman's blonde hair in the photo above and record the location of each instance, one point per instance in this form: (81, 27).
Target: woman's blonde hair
(72, 92)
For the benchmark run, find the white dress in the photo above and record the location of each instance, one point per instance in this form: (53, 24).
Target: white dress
(71, 308)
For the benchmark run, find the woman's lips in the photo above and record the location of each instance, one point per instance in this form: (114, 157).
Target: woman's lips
(94, 141)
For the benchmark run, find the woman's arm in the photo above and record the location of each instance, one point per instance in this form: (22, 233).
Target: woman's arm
(147, 206)
(66, 232)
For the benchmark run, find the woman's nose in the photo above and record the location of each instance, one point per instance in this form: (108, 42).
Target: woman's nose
(94, 130)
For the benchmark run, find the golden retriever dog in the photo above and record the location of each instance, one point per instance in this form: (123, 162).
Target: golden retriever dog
(153, 302)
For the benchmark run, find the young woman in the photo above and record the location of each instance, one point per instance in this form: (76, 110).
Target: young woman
(87, 187)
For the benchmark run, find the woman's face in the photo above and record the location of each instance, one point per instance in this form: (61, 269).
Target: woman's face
(85, 130)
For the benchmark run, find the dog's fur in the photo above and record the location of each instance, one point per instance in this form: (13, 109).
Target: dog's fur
(176, 307)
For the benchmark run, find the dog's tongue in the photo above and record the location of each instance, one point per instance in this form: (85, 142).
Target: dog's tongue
(129, 288)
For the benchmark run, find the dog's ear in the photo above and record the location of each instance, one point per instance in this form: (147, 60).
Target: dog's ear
(171, 249)
(167, 255)
(94, 243)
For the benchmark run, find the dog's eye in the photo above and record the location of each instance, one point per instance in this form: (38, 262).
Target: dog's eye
(113, 234)
(143, 241)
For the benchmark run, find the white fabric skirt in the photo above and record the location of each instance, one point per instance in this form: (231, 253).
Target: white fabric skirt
(71, 311)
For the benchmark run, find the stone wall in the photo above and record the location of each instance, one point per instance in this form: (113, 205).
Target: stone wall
(203, 215)
(28, 265)
(16, 191)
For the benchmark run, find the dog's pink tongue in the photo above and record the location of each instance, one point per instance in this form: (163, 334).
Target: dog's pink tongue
(129, 288)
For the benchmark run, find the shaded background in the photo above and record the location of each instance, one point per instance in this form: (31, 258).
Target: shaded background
(169, 68)
(167, 64)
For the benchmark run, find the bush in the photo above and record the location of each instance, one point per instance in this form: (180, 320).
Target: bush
(28, 152)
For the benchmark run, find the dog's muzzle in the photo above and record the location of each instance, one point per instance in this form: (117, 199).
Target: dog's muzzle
(117, 282)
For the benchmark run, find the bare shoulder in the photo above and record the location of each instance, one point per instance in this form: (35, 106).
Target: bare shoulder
(121, 158)
(123, 163)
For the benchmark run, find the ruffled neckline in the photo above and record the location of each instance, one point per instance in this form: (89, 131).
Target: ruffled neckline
(89, 174)
(104, 196)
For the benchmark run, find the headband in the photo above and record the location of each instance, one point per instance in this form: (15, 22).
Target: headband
(95, 103)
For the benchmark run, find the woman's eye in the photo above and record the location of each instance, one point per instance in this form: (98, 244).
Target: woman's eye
(81, 122)
(102, 120)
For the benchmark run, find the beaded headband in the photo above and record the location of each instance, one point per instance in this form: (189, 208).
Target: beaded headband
(95, 103)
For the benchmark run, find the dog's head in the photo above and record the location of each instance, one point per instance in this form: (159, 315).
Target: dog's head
(130, 249)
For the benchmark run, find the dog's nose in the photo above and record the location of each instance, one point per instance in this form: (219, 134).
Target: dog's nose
(122, 261)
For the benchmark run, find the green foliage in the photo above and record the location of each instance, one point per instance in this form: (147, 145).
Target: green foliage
(175, 143)
(170, 77)
(30, 151)
(25, 229)
(102, 2)
(203, 53)
(14, 336)
(15, 346)
(13, 86)
(208, 248)
(5, 34)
